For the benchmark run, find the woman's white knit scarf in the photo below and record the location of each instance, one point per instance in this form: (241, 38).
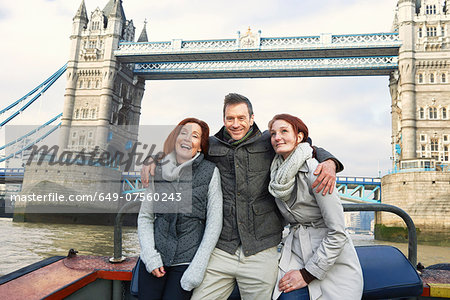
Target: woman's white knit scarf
(283, 171)
(171, 170)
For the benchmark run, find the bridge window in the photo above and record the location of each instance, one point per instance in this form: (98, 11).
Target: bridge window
(445, 138)
(80, 85)
(420, 32)
(443, 78)
(93, 113)
(77, 114)
(431, 31)
(423, 138)
(81, 140)
(444, 113)
(421, 113)
(420, 78)
(442, 30)
(92, 44)
(434, 145)
(431, 78)
(445, 153)
(432, 113)
(85, 113)
(96, 25)
(431, 10)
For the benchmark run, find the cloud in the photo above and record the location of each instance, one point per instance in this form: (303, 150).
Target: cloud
(4, 14)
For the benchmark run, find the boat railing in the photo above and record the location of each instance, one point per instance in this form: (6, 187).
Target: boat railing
(117, 258)
(412, 235)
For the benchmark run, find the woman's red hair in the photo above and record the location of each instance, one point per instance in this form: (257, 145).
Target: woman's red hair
(169, 144)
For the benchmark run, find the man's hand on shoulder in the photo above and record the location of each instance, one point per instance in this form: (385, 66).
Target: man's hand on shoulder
(326, 180)
(148, 168)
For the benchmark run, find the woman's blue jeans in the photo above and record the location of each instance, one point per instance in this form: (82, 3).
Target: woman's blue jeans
(300, 294)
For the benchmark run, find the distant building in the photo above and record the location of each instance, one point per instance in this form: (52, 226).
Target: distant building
(359, 221)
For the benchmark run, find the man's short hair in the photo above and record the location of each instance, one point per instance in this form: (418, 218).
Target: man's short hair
(234, 98)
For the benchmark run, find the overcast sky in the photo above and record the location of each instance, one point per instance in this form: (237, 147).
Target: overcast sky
(348, 116)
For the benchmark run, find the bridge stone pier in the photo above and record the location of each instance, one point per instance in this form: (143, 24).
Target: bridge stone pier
(425, 196)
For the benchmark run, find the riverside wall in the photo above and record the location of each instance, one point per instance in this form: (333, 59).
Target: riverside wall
(425, 196)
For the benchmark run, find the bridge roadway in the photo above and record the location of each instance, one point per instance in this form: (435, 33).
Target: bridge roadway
(351, 189)
(324, 55)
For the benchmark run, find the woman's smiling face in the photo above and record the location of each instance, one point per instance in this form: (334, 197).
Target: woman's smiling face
(188, 142)
(283, 138)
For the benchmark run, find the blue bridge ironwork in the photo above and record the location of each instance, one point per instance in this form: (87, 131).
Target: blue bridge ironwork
(359, 189)
(353, 189)
(324, 55)
(11, 175)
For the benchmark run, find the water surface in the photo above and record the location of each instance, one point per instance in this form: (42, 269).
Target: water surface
(22, 244)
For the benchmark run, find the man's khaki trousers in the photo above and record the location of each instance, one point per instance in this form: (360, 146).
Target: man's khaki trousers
(255, 275)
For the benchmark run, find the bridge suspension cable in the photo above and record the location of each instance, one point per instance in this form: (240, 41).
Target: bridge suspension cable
(31, 132)
(37, 140)
(42, 88)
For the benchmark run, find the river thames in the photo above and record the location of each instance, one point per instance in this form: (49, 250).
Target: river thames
(22, 244)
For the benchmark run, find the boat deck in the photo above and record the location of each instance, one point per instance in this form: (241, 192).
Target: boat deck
(63, 277)
(60, 277)
(436, 283)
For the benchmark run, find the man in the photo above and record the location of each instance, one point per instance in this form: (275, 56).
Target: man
(246, 252)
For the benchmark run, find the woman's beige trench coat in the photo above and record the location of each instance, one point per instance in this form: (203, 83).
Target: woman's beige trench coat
(318, 241)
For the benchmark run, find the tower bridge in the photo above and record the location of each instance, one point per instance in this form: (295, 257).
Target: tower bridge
(107, 70)
(251, 56)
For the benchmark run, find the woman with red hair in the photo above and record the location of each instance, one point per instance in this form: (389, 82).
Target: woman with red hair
(318, 259)
(181, 216)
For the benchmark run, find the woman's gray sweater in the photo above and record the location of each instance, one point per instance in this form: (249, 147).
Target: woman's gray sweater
(193, 275)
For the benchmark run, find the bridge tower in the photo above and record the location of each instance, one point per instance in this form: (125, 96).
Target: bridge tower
(420, 93)
(102, 104)
(102, 99)
(421, 90)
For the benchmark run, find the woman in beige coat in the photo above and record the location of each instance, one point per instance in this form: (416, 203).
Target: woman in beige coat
(318, 260)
